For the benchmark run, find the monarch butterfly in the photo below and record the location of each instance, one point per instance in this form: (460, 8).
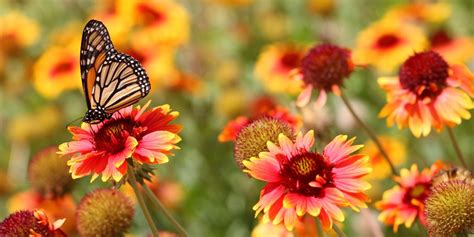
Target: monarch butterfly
(111, 80)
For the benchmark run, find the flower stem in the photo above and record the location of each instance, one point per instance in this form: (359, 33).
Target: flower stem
(163, 209)
(338, 231)
(421, 229)
(456, 147)
(133, 182)
(370, 133)
(319, 227)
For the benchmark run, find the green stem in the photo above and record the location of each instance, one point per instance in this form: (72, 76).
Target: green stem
(456, 147)
(133, 182)
(338, 231)
(163, 209)
(370, 133)
(421, 229)
(319, 227)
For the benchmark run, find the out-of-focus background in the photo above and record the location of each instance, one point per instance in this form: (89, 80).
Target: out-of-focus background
(211, 61)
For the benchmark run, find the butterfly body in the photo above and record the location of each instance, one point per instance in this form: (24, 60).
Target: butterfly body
(111, 80)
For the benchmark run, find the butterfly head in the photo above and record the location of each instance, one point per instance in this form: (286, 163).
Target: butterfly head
(94, 116)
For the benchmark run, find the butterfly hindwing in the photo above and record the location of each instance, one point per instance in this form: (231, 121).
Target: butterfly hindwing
(111, 80)
(121, 82)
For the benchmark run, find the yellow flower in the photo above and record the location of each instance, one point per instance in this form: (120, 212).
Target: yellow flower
(275, 66)
(16, 31)
(421, 11)
(117, 16)
(268, 229)
(33, 125)
(233, 3)
(453, 50)
(56, 70)
(163, 22)
(322, 7)
(387, 43)
(158, 61)
(395, 150)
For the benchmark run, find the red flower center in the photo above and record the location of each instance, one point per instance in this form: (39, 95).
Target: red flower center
(419, 192)
(387, 41)
(303, 169)
(111, 137)
(150, 15)
(424, 74)
(62, 67)
(326, 65)
(440, 38)
(290, 60)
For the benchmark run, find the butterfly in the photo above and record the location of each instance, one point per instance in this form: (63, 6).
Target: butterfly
(111, 80)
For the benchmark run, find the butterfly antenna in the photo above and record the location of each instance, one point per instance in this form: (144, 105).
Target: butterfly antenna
(73, 121)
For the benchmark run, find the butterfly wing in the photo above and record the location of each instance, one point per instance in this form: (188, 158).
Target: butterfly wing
(122, 81)
(96, 46)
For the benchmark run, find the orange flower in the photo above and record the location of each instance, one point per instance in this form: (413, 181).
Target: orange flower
(428, 93)
(421, 11)
(57, 70)
(301, 181)
(17, 31)
(30, 223)
(387, 43)
(403, 203)
(135, 133)
(454, 50)
(275, 65)
(55, 208)
(163, 22)
(263, 107)
(395, 150)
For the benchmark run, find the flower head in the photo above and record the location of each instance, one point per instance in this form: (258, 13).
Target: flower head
(48, 173)
(450, 205)
(324, 68)
(385, 44)
(53, 71)
(301, 181)
(420, 12)
(17, 31)
(260, 108)
(30, 223)
(144, 136)
(275, 66)
(428, 93)
(160, 22)
(403, 203)
(104, 212)
(454, 50)
(253, 137)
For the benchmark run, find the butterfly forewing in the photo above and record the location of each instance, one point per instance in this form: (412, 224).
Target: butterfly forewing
(111, 80)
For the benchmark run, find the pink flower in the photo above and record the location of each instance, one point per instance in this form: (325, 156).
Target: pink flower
(301, 181)
(102, 149)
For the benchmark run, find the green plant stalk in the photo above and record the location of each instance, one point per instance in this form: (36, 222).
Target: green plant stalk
(163, 209)
(456, 147)
(133, 182)
(370, 133)
(338, 231)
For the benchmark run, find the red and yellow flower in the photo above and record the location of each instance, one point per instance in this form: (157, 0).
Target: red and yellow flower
(428, 93)
(420, 11)
(454, 50)
(300, 181)
(163, 22)
(275, 65)
(263, 107)
(403, 203)
(147, 137)
(17, 31)
(31, 223)
(387, 43)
